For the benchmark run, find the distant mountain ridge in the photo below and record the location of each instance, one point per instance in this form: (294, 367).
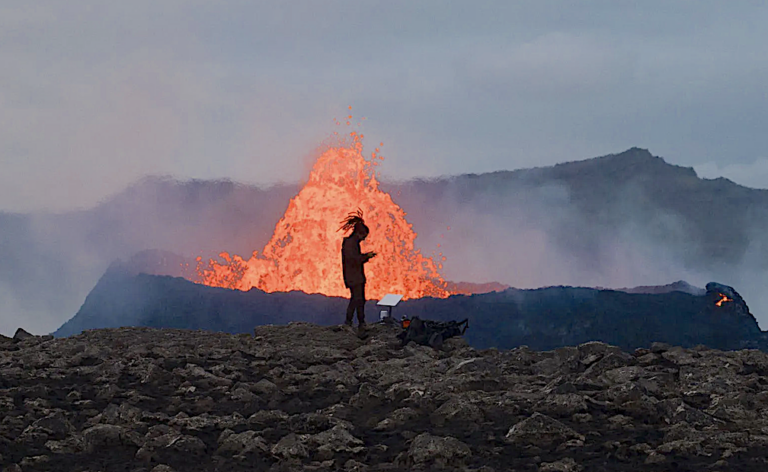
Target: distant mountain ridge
(620, 220)
(599, 186)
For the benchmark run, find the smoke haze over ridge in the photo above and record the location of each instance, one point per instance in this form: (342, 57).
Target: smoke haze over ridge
(617, 221)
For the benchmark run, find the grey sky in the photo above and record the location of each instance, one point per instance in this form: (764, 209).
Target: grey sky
(94, 95)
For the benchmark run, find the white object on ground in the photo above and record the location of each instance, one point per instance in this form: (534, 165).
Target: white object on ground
(390, 300)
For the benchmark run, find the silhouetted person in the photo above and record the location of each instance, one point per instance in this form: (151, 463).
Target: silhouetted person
(352, 261)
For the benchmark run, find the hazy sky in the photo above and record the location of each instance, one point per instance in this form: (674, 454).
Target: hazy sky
(94, 95)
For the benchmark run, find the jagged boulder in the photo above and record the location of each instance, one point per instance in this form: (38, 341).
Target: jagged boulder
(291, 446)
(564, 465)
(435, 451)
(541, 430)
(334, 441)
(105, 436)
(242, 444)
(22, 334)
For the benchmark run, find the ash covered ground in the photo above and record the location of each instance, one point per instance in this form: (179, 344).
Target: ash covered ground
(305, 397)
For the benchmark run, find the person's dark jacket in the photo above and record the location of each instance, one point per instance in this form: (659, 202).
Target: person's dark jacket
(352, 261)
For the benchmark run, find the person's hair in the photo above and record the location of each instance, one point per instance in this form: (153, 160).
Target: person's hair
(354, 221)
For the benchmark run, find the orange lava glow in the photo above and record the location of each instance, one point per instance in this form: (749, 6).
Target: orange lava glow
(305, 250)
(723, 300)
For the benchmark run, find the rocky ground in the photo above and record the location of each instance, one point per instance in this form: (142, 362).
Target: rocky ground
(303, 397)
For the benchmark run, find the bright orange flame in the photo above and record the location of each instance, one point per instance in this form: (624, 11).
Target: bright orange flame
(723, 300)
(305, 250)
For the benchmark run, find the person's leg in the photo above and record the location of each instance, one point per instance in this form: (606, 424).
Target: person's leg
(351, 307)
(361, 306)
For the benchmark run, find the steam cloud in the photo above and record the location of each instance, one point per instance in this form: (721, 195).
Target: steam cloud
(52, 261)
(543, 240)
(515, 229)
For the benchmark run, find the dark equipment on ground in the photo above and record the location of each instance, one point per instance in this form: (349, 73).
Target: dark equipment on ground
(430, 333)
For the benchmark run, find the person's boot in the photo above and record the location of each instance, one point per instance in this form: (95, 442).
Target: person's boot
(362, 330)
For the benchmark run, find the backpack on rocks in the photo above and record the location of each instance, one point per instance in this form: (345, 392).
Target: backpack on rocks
(431, 333)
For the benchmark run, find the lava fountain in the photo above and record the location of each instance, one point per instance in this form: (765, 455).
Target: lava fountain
(305, 250)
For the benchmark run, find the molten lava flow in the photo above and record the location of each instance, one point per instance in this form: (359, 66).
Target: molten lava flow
(723, 300)
(305, 250)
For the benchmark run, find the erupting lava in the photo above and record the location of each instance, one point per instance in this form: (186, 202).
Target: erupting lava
(723, 300)
(305, 250)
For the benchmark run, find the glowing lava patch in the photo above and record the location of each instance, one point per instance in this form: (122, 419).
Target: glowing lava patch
(305, 250)
(722, 300)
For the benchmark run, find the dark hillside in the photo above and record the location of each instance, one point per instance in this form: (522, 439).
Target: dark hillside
(545, 318)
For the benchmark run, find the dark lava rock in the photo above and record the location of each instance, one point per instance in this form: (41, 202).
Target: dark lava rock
(22, 334)
(543, 319)
(305, 397)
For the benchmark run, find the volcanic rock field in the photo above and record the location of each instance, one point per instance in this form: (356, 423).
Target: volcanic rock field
(305, 397)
